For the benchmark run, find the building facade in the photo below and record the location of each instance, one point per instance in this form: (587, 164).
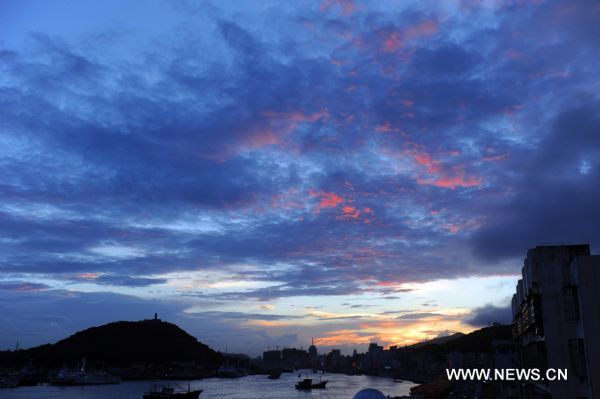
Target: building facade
(556, 320)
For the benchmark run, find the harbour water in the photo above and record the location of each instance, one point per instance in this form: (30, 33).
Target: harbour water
(340, 386)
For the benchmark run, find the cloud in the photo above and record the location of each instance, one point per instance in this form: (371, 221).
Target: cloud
(418, 316)
(128, 281)
(555, 193)
(488, 314)
(38, 317)
(240, 315)
(22, 286)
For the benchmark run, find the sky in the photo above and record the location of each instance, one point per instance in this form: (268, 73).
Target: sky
(266, 172)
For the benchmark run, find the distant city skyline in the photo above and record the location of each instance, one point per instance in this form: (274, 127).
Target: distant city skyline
(262, 173)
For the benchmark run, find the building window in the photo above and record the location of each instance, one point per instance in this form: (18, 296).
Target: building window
(571, 302)
(577, 359)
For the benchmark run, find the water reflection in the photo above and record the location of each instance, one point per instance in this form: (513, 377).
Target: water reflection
(340, 386)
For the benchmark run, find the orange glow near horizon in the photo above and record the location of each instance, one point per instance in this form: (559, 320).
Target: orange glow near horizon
(394, 332)
(401, 329)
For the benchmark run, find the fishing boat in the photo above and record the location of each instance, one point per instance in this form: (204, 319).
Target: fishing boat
(275, 374)
(168, 392)
(307, 384)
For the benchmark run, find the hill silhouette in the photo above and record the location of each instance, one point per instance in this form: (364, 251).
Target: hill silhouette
(121, 344)
(437, 341)
(479, 341)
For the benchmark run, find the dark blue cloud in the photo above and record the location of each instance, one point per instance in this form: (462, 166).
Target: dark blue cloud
(242, 316)
(128, 281)
(555, 194)
(489, 314)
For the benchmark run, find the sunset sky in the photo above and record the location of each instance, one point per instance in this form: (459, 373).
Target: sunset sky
(264, 172)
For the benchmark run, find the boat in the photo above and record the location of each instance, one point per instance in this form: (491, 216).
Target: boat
(9, 380)
(230, 372)
(320, 384)
(307, 384)
(69, 377)
(167, 392)
(84, 377)
(275, 374)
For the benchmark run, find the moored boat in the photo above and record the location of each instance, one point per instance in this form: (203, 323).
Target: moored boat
(307, 384)
(230, 372)
(167, 392)
(84, 377)
(275, 374)
(9, 380)
(320, 384)
(69, 377)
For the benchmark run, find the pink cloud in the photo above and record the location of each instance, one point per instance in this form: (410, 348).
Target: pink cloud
(26, 287)
(347, 7)
(385, 127)
(407, 103)
(274, 129)
(387, 284)
(347, 212)
(451, 182)
(512, 54)
(260, 138)
(288, 200)
(350, 211)
(269, 130)
(396, 40)
(392, 43)
(453, 228)
(457, 225)
(495, 158)
(88, 276)
(330, 200)
(296, 116)
(440, 175)
(425, 159)
(425, 28)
